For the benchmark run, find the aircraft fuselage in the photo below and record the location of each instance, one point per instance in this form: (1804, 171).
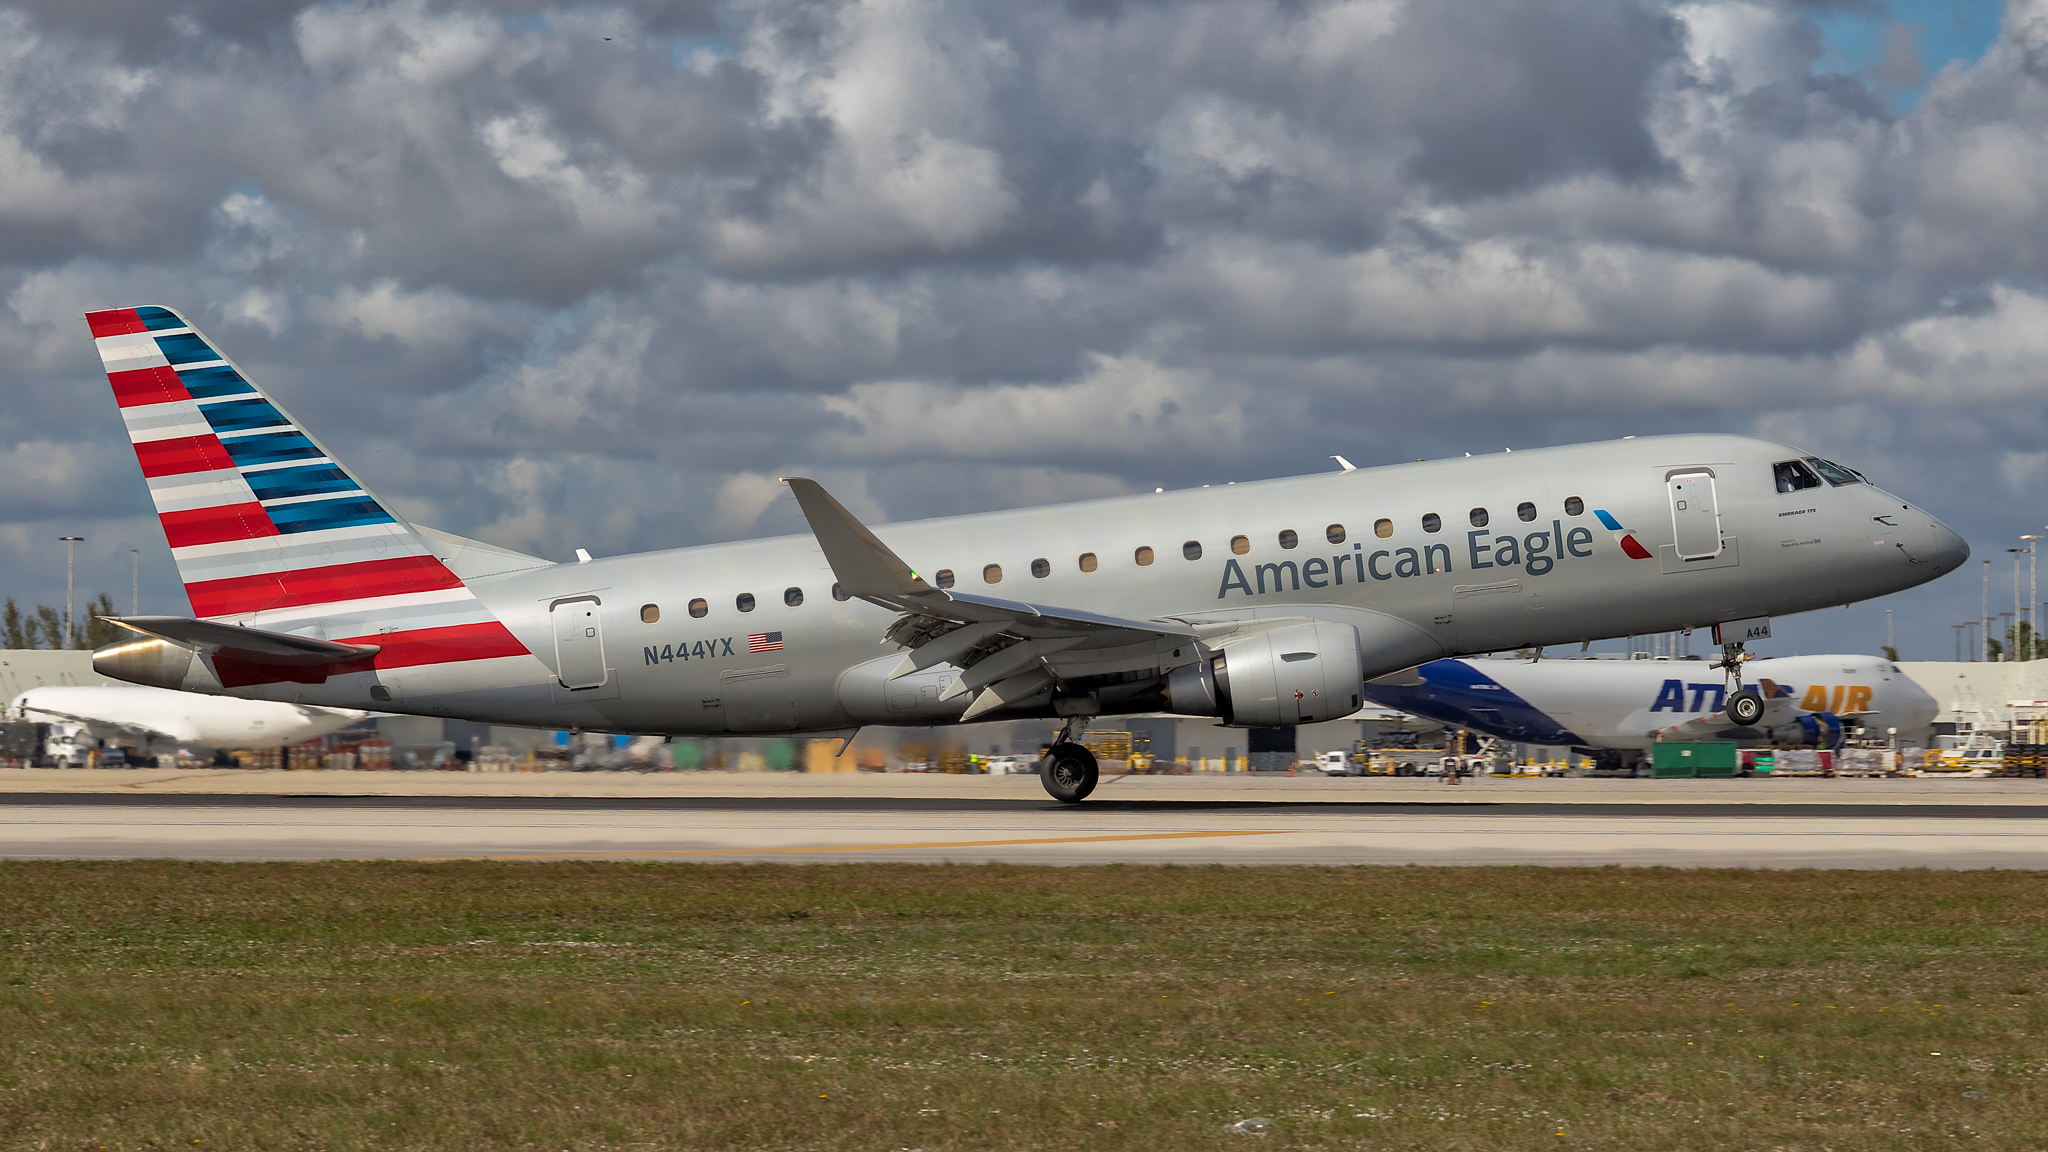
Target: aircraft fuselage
(1363, 553)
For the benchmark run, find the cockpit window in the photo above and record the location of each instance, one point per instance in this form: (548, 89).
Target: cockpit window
(1833, 473)
(1792, 476)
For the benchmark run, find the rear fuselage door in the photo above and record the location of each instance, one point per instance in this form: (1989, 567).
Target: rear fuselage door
(579, 643)
(1695, 521)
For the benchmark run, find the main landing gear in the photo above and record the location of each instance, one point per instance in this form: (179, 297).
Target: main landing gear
(1745, 706)
(1068, 770)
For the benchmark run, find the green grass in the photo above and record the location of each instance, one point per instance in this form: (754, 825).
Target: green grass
(880, 1007)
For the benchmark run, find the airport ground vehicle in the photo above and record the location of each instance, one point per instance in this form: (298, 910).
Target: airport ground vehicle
(1337, 764)
(1263, 604)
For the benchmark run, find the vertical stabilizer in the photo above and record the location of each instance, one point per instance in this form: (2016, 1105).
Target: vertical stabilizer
(268, 529)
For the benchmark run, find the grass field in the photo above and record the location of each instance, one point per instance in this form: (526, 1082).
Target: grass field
(883, 1007)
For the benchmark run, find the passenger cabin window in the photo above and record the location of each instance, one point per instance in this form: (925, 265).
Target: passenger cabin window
(792, 596)
(1431, 522)
(992, 574)
(1383, 528)
(699, 608)
(744, 602)
(650, 613)
(1525, 511)
(1144, 556)
(840, 593)
(1240, 545)
(1334, 533)
(1041, 568)
(1288, 539)
(1573, 506)
(1834, 473)
(1791, 476)
(1192, 550)
(1088, 563)
(1478, 517)
(944, 577)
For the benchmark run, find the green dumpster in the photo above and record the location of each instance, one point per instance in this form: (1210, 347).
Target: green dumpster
(1692, 759)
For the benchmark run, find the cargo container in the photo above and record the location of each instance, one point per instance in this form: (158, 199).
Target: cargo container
(1693, 759)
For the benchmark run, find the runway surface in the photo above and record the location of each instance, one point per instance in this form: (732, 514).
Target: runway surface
(1187, 820)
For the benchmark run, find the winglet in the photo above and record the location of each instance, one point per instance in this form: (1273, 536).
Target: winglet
(863, 564)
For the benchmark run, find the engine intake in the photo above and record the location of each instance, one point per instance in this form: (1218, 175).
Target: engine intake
(1297, 674)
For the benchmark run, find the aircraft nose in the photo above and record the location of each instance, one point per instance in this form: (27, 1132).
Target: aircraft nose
(1950, 549)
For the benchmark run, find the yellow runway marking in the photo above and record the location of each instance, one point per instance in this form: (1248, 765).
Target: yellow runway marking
(861, 847)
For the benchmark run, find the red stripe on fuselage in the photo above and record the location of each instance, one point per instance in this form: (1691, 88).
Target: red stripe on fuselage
(181, 454)
(454, 644)
(115, 322)
(1634, 550)
(158, 385)
(239, 595)
(217, 525)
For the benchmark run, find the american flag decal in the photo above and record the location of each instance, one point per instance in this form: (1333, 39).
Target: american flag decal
(764, 642)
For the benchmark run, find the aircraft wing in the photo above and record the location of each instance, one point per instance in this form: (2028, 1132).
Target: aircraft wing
(25, 710)
(1777, 711)
(1009, 650)
(257, 645)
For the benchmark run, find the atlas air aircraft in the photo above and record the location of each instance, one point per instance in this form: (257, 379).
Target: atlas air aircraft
(1594, 706)
(1260, 604)
(184, 719)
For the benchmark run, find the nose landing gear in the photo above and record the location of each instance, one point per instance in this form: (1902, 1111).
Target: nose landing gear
(1745, 706)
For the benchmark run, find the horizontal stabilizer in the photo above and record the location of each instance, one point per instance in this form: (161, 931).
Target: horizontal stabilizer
(256, 645)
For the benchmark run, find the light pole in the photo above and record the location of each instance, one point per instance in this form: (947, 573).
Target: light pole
(2034, 595)
(1958, 630)
(70, 542)
(135, 582)
(1984, 613)
(2012, 641)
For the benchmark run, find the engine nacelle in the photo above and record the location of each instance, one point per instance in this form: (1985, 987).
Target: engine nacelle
(1812, 730)
(1296, 674)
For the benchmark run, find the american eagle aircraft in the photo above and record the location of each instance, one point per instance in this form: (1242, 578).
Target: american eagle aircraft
(1612, 709)
(1261, 604)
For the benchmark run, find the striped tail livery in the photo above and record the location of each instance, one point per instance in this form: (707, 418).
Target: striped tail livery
(296, 572)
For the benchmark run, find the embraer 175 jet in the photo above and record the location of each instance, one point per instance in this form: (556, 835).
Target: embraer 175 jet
(1261, 604)
(1615, 709)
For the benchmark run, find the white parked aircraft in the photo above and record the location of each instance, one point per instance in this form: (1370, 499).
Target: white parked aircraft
(1610, 706)
(184, 719)
(1261, 604)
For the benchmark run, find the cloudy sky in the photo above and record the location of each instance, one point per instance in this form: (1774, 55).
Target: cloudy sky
(592, 274)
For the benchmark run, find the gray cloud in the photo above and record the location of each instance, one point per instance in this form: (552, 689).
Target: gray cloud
(591, 274)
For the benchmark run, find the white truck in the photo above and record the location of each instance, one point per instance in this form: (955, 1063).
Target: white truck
(1337, 764)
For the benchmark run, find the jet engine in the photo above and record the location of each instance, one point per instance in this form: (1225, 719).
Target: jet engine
(1811, 730)
(1294, 674)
